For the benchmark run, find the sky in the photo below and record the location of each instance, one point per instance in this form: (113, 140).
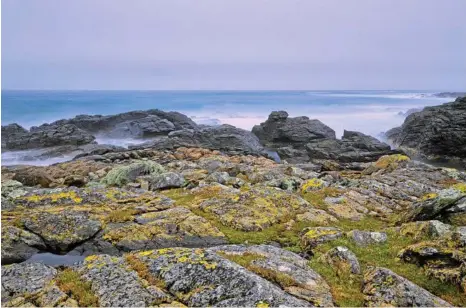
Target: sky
(234, 44)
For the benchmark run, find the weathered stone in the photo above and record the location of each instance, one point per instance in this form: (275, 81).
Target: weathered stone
(61, 231)
(364, 238)
(165, 181)
(430, 228)
(342, 260)
(314, 236)
(19, 245)
(382, 287)
(32, 177)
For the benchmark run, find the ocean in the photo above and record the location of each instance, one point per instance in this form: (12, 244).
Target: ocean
(370, 112)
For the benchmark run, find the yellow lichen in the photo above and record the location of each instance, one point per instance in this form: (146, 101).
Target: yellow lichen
(429, 196)
(391, 161)
(460, 187)
(312, 184)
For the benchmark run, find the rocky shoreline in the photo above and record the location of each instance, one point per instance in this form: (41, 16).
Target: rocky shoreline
(203, 216)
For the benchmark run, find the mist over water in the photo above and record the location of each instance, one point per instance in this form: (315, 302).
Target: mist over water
(370, 112)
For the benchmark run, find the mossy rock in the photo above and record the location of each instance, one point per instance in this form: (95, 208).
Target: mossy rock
(122, 175)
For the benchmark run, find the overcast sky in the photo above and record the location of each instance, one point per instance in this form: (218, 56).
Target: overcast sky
(237, 44)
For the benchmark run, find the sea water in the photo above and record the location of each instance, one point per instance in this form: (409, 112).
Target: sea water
(370, 112)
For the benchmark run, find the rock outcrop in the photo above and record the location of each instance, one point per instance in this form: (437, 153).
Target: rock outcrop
(171, 277)
(436, 133)
(302, 140)
(383, 287)
(47, 136)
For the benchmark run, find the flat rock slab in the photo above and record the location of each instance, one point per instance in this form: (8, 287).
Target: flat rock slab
(382, 287)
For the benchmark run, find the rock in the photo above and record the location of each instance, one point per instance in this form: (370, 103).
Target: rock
(225, 138)
(117, 285)
(353, 147)
(10, 131)
(218, 177)
(19, 245)
(430, 228)
(174, 227)
(10, 186)
(61, 231)
(104, 124)
(33, 176)
(26, 278)
(251, 210)
(342, 260)
(437, 207)
(280, 130)
(48, 136)
(200, 277)
(314, 236)
(435, 133)
(382, 287)
(75, 180)
(119, 176)
(364, 238)
(150, 126)
(387, 163)
(289, 270)
(165, 181)
(443, 259)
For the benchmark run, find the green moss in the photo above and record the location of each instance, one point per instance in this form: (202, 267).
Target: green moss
(121, 215)
(122, 175)
(346, 289)
(143, 271)
(72, 284)
(317, 197)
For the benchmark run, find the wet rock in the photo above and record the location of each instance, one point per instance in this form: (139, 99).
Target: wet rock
(225, 138)
(342, 260)
(19, 245)
(33, 176)
(61, 231)
(364, 238)
(104, 124)
(149, 126)
(48, 136)
(314, 236)
(383, 287)
(435, 133)
(281, 130)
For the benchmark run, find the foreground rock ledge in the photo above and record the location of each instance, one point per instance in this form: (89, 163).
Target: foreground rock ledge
(172, 276)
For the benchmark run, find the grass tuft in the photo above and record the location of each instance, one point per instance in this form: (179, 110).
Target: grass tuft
(70, 282)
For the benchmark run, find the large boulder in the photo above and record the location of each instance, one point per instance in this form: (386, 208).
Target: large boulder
(435, 133)
(353, 147)
(382, 287)
(47, 136)
(152, 119)
(280, 130)
(225, 138)
(301, 140)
